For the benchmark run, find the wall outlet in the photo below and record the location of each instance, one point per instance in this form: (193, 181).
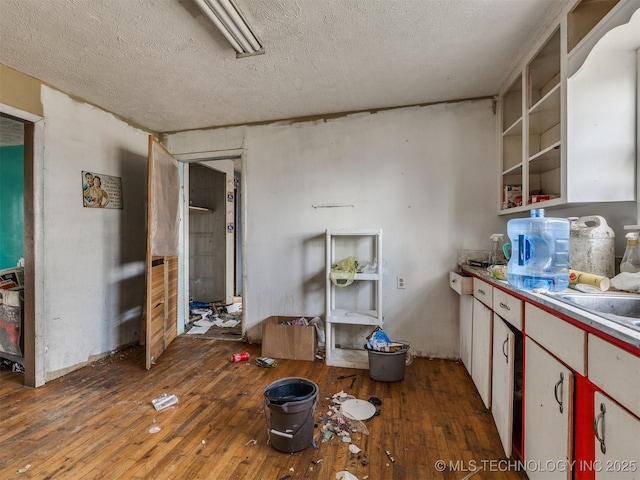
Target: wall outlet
(400, 282)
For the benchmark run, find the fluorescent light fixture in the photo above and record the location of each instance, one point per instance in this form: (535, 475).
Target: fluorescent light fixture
(228, 19)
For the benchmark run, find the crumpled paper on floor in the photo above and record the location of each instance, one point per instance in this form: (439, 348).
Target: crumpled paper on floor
(344, 475)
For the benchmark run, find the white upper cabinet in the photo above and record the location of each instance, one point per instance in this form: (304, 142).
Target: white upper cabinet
(567, 120)
(601, 118)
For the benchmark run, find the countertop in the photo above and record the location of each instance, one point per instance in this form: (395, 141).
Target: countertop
(590, 322)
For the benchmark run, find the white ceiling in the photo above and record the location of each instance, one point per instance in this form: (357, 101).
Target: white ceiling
(162, 65)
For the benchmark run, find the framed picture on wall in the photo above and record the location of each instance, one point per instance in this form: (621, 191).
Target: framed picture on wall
(101, 191)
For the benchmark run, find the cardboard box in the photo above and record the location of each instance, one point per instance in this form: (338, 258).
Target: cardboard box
(539, 198)
(291, 342)
(512, 196)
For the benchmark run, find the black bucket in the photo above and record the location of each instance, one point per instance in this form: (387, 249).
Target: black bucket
(292, 403)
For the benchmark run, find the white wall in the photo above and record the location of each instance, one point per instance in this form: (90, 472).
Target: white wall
(425, 175)
(94, 258)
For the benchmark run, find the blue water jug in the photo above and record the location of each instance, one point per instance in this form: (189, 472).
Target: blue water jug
(539, 252)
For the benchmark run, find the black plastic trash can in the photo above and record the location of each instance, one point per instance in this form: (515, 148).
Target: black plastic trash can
(292, 403)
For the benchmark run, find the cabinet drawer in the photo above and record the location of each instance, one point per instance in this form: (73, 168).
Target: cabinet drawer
(461, 283)
(562, 339)
(483, 292)
(615, 371)
(508, 307)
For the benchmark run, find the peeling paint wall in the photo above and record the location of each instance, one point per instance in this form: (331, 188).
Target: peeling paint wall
(94, 258)
(425, 175)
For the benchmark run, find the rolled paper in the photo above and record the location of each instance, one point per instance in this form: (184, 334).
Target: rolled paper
(576, 277)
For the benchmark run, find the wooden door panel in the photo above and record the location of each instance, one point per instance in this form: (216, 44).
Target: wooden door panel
(163, 222)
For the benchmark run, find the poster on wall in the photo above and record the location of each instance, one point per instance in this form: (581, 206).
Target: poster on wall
(101, 191)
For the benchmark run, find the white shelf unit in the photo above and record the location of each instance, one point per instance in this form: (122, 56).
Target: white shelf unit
(358, 304)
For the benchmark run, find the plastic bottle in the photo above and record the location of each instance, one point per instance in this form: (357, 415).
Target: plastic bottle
(539, 252)
(496, 238)
(631, 258)
(592, 246)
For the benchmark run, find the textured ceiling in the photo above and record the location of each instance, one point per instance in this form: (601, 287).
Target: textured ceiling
(162, 65)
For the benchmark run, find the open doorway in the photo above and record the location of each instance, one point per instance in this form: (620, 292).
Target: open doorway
(12, 244)
(212, 249)
(18, 310)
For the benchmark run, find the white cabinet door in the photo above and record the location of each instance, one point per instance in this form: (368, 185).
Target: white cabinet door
(548, 411)
(463, 285)
(502, 378)
(616, 437)
(616, 372)
(481, 350)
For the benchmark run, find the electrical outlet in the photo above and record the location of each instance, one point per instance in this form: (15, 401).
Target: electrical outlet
(400, 282)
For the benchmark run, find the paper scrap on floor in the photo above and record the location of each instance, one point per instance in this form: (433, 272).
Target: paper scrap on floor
(225, 323)
(200, 327)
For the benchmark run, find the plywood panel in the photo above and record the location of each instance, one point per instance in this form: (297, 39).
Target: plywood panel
(162, 252)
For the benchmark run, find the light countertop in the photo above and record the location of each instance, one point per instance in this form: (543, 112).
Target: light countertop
(580, 317)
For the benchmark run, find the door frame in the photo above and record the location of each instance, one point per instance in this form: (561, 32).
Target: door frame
(205, 158)
(33, 244)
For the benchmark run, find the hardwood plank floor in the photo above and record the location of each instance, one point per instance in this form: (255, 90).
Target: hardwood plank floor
(97, 422)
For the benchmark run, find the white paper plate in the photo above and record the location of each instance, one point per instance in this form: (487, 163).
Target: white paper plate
(358, 409)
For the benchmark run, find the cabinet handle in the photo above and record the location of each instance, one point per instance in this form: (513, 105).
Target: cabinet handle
(504, 352)
(481, 292)
(596, 421)
(454, 280)
(506, 307)
(559, 387)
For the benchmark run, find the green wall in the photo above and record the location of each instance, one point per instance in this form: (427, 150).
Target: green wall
(11, 205)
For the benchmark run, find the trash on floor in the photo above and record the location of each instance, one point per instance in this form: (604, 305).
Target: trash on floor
(391, 457)
(15, 367)
(164, 401)
(356, 409)
(203, 316)
(240, 357)
(342, 425)
(199, 327)
(344, 475)
(266, 362)
(225, 321)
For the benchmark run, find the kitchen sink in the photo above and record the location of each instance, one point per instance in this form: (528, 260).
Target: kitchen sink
(617, 307)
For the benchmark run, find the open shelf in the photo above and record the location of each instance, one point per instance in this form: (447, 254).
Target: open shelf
(584, 17)
(193, 209)
(358, 304)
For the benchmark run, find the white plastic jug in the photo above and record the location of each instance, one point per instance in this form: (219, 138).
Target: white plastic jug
(592, 246)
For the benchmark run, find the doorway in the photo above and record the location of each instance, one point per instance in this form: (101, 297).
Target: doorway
(212, 247)
(17, 246)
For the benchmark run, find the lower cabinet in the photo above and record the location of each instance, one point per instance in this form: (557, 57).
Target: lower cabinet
(548, 404)
(466, 330)
(481, 350)
(617, 438)
(502, 381)
(565, 402)
(463, 286)
(615, 373)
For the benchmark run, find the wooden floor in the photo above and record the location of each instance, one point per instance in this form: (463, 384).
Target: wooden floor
(98, 422)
